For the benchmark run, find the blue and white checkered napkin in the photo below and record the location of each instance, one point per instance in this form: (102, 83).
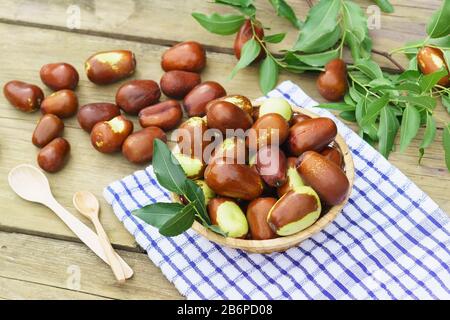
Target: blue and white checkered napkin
(390, 242)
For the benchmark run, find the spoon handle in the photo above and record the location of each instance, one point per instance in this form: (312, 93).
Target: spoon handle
(85, 234)
(107, 247)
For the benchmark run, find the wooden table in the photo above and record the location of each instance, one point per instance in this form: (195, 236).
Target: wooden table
(39, 256)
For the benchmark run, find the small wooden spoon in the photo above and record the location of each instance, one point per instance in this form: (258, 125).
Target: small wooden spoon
(87, 204)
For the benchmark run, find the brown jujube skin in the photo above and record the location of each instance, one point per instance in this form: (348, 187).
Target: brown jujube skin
(48, 128)
(313, 134)
(255, 114)
(236, 153)
(332, 83)
(59, 76)
(430, 60)
(257, 212)
(63, 103)
(261, 131)
(241, 101)
(271, 165)
(324, 176)
(186, 56)
(177, 84)
(90, 114)
(196, 100)
(334, 155)
(23, 96)
(165, 115)
(105, 140)
(246, 33)
(285, 188)
(138, 147)
(297, 118)
(102, 71)
(135, 95)
(290, 208)
(190, 128)
(224, 115)
(54, 155)
(233, 180)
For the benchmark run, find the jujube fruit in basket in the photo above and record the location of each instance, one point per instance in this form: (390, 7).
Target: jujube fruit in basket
(313, 134)
(186, 56)
(166, 115)
(135, 95)
(293, 179)
(298, 117)
(90, 114)
(54, 155)
(227, 214)
(257, 213)
(271, 164)
(223, 115)
(276, 105)
(59, 76)
(196, 100)
(324, 176)
(110, 66)
(238, 100)
(177, 84)
(23, 96)
(48, 128)
(332, 83)
(63, 103)
(333, 154)
(295, 211)
(108, 136)
(233, 180)
(232, 149)
(191, 137)
(269, 129)
(192, 166)
(138, 146)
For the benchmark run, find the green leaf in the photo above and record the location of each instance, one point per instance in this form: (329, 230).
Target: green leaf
(409, 75)
(369, 68)
(409, 127)
(348, 115)
(446, 102)
(387, 131)
(321, 30)
(446, 143)
(168, 171)
(244, 6)
(216, 229)
(360, 110)
(447, 56)
(373, 109)
(428, 136)
(430, 80)
(356, 30)
(439, 24)
(275, 38)
(425, 102)
(194, 193)
(337, 106)
(413, 64)
(220, 24)
(250, 51)
(157, 214)
(180, 222)
(268, 74)
(318, 59)
(385, 5)
(284, 10)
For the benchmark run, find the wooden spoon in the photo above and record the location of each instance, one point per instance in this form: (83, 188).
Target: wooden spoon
(31, 184)
(87, 204)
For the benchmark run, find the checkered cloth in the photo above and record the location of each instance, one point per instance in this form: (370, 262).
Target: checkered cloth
(391, 241)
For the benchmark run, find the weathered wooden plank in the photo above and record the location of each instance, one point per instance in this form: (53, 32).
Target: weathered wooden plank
(12, 289)
(59, 264)
(166, 22)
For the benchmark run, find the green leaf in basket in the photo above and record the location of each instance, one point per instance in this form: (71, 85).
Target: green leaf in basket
(180, 222)
(194, 193)
(167, 169)
(157, 214)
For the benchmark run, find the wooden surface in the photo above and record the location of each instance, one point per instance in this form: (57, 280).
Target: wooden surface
(35, 247)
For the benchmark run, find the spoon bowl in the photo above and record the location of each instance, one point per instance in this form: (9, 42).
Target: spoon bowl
(29, 183)
(86, 203)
